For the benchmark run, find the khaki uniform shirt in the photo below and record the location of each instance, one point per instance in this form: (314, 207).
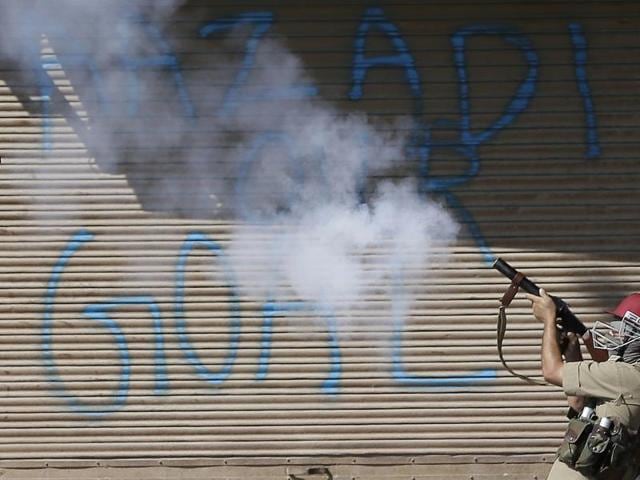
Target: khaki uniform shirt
(616, 388)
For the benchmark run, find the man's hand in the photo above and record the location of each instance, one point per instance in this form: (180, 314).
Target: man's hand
(543, 307)
(571, 348)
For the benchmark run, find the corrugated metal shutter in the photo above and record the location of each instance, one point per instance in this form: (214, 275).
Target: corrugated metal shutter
(126, 333)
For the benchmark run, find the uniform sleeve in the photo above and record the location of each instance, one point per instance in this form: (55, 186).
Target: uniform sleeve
(603, 380)
(570, 383)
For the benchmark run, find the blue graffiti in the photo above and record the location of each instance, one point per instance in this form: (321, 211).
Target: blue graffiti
(271, 309)
(214, 377)
(579, 42)
(331, 385)
(374, 17)
(82, 57)
(73, 54)
(119, 398)
(400, 375)
(422, 145)
(100, 313)
(470, 142)
(518, 104)
(470, 222)
(398, 369)
(421, 142)
(262, 22)
(165, 59)
(235, 96)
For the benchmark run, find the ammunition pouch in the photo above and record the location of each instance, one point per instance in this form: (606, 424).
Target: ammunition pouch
(574, 440)
(594, 452)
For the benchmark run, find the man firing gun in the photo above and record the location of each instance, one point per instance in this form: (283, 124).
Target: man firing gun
(601, 441)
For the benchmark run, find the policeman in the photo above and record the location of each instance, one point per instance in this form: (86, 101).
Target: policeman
(612, 387)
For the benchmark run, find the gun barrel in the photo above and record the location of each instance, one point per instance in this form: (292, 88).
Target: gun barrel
(510, 272)
(571, 322)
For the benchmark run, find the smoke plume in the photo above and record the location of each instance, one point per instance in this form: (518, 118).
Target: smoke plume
(294, 173)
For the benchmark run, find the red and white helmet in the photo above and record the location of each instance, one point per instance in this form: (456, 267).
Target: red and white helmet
(621, 331)
(628, 304)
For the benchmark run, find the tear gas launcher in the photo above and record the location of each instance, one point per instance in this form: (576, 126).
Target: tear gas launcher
(568, 322)
(566, 319)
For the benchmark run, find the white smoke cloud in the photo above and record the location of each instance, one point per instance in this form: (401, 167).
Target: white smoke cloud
(80, 19)
(326, 259)
(328, 247)
(333, 255)
(303, 162)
